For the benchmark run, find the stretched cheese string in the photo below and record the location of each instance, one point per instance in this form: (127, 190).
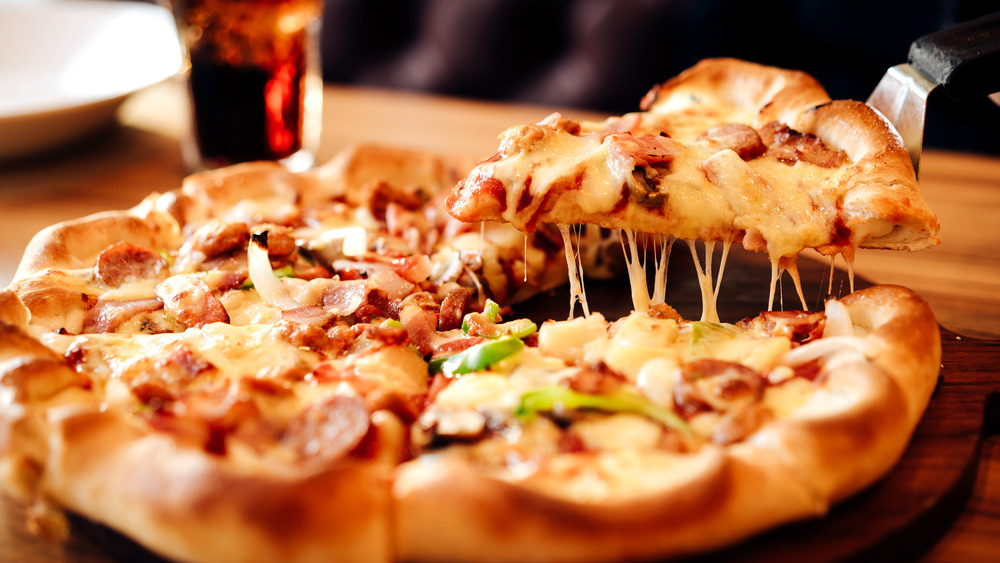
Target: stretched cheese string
(774, 280)
(636, 272)
(525, 257)
(665, 242)
(709, 311)
(833, 264)
(722, 267)
(579, 263)
(576, 293)
(848, 254)
(777, 270)
(793, 271)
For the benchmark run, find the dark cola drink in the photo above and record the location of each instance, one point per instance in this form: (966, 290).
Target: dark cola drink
(254, 80)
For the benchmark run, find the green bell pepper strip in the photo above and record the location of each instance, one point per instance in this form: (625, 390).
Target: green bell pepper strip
(518, 328)
(556, 397)
(476, 358)
(487, 325)
(282, 272)
(491, 311)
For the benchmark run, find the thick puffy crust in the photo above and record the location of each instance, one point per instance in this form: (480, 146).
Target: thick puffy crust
(450, 511)
(149, 487)
(76, 243)
(847, 435)
(882, 202)
(868, 407)
(351, 172)
(705, 194)
(905, 340)
(770, 93)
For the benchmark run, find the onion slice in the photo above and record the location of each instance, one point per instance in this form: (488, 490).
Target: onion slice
(824, 348)
(838, 320)
(268, 286)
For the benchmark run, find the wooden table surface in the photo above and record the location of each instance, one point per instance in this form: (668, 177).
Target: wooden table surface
(115, 170)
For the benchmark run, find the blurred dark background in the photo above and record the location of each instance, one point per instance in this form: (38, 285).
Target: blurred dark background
(604, 55)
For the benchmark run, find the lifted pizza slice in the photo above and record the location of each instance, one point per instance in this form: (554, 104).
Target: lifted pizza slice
(727, 152)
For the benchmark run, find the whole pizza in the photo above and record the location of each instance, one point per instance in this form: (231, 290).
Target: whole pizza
(338, 365)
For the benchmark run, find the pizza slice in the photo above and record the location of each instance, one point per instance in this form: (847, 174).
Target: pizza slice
(727, 152)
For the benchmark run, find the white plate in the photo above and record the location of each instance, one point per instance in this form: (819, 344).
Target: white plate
(66, 66)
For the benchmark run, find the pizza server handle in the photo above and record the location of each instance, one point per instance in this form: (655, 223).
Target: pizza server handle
(962, 60)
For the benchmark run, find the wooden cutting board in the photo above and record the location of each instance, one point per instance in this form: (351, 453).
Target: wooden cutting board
(896, 519)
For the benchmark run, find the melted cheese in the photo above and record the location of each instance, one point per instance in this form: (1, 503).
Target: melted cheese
(707, 194)
(709, 311)
(665, 243)
(557, 157)
(636, 272)
(576, 292)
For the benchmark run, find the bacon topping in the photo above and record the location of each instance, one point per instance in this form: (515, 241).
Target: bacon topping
(742, 139)
(790, 146)
(375, 304)
(389, 335)
(643, 150)
(280, 241)
(219, 237)
(709, 384)
(124, 261)
(597, 379)
(414, 269)
(419, 315)
(305, 334)
(224, 280)
(329, 429)
(189, 300)
(454, 346)
(798, 326)
(344, 298)
(453, 308)
(107, 316)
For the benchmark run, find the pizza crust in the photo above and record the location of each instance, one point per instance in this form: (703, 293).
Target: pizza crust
(882, 203)
(768, 93)
(541, 171)
(190, 506)
(448, 510)
(76, 243)
(849, 434)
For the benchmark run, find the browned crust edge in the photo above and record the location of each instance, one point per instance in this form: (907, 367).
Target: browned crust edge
(792, 469)
(882, 203)
(192, 506)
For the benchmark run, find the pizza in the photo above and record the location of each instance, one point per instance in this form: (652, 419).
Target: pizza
(726, 152)
(341, 364)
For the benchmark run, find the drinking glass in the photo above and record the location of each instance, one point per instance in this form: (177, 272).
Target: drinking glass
(254, 80)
